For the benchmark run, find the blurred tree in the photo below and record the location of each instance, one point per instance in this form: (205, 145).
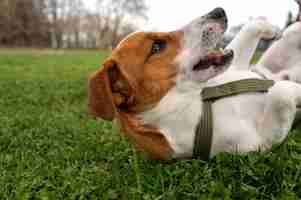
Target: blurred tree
(115, 16)
(73, 23)
(289, 19)
(56, 11)
(67, 23)
(23, 23)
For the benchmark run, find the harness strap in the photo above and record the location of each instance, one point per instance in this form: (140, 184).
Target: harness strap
(204, 129)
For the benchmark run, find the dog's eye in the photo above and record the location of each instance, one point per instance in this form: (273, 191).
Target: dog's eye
(158, 46)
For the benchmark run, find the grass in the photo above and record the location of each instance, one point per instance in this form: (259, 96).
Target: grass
(51, 149)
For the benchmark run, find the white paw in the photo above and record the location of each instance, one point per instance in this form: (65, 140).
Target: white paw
(269, 31)
(265, 29)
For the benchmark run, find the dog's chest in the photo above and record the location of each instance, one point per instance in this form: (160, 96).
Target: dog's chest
(176, 116)
(234, 128)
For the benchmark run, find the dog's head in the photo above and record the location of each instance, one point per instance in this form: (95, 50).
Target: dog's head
(201, 57)
(146, 65)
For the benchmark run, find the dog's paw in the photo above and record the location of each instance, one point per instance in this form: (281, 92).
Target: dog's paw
(264, 29)
(269, 31)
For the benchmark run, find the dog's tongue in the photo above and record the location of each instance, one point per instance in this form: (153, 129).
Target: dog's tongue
(215, 59)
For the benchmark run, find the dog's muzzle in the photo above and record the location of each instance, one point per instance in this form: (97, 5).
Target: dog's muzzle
(218, 14)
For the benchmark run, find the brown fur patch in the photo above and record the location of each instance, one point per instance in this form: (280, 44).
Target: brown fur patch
(132, 81)
(146, 138)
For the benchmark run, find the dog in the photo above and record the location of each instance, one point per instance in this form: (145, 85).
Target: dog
(151, 87)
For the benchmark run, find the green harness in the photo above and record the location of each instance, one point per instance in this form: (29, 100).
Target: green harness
(204, 129)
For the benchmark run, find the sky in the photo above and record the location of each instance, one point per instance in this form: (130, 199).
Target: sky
(167, 15)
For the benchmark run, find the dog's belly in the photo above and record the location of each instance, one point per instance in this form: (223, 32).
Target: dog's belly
(235, 125)
(236, 122)
(236, 118)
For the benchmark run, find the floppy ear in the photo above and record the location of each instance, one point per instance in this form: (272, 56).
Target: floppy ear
(109, 88)
(101, 103)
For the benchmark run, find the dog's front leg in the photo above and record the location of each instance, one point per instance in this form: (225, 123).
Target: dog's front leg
(246, 41)
(279, 112)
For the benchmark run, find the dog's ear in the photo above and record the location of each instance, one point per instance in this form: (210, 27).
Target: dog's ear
(109, 88)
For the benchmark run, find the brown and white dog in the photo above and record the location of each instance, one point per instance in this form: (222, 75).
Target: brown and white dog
(151, 87)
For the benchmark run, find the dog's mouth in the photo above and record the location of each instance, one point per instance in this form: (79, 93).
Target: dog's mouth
(205, 57)
(215, 59)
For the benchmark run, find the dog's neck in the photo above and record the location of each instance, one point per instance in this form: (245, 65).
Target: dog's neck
(177, 115)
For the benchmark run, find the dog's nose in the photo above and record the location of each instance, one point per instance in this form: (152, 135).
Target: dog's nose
(217, 13)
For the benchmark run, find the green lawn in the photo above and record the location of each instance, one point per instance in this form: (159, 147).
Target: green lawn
(51, 149)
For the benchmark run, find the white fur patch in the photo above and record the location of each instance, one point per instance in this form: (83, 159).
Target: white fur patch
(177, 116)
